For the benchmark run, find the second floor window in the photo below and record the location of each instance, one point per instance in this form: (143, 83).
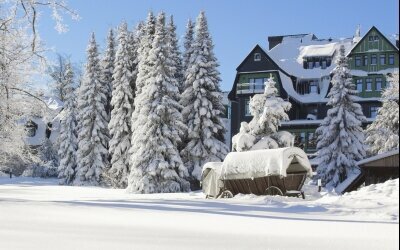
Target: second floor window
(368, 83)
(359, 83)
(373, 60)
(358, 61)
(382, 59)
(378, 84)
(391, 59)
(365, 60)
(313, 88)
(258, 82)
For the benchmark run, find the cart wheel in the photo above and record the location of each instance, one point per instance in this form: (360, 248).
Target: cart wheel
(226, 194)
(272, 190)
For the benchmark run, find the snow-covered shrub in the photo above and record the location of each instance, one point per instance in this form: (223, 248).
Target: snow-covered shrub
(268, 110)
(44, 170)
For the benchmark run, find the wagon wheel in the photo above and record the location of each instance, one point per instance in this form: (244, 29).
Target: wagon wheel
(272, 190)
(226, 194)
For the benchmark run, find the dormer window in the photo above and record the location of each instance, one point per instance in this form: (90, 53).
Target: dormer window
(257, 57)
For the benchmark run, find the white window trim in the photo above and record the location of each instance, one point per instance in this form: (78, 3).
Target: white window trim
(257, 57)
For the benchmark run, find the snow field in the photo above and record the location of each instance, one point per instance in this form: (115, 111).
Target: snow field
(39, 214)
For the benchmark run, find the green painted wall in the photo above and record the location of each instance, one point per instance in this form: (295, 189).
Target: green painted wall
(374, 92)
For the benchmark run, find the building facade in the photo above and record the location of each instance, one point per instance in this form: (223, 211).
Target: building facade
(301, 66)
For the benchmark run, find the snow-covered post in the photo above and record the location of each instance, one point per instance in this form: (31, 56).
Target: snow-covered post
(203, 108)
(383, 133)
(156, 165)
(122, 104)
(340, 135)
(92, 155)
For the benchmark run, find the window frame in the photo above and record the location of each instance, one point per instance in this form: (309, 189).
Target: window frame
(376, 109)
(360, 82)
(368, 82)
(247, 107)
(382, 56)
(374, 56)
(257, 57)
(357, 61)
(376, 83)
(391, 59)
(365, 58)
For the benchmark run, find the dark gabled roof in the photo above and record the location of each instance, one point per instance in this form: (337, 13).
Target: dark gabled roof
(364, 37)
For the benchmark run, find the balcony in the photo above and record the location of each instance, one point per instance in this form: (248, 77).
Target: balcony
(249, 88)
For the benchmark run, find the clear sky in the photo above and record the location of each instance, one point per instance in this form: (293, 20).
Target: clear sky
(236, 26)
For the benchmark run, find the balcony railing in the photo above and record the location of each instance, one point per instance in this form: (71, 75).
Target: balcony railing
(248, 88)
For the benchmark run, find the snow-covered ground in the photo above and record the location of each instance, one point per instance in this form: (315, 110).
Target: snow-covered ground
(39, 214)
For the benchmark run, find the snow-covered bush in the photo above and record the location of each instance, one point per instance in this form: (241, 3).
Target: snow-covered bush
(268, 110)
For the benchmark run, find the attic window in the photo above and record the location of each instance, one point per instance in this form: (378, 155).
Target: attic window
(257, 57)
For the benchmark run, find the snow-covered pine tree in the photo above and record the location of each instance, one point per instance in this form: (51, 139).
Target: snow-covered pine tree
(133, 44)
(156, 165)
(340, 135)
(144, 47)
(383, 133)
(67, 139)
(92, 155)
(187, 44)
(107, 68)
(268, 111)
(122, 106)
(203, 108)
(175, 54)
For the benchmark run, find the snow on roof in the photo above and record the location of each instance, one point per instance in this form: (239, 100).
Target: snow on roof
(287, 84)
(53, 103)
(40, 132)
(356, 72)
(287, 53)
(323, 50)
(378, 157)
(346, 183)
(260, 163)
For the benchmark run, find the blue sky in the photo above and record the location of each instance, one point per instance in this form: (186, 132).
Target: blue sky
(236, 26)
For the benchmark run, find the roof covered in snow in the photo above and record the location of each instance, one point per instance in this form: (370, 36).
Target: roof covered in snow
(290, 52)
(378, 157)
(266, 162)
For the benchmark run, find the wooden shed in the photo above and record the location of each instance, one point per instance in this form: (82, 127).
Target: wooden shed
(381, 167)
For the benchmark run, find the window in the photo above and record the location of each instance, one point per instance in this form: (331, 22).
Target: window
(359, 83)
(373, 60)
(358, 61)
(323, 65)
(391, 59)
(382, 59)
(365, 60)
(376, 38)
(310, 64)
(258, 83)
(247, 107)
(313, 88)
(300, 139)
(371, 38)
(378, 84)
(373, 111)
(368, 82)
(257, 57)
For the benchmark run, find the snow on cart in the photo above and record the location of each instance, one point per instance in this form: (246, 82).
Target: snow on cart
(279, 171)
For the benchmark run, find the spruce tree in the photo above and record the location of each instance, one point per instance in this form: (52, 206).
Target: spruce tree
(203, 108)
(144, 47)
(92, 155)
(122, 103)
(175, 54)
(340, 135)
(383, 133)
(67, 138)
(107, 67)
(156, 165)
(187, 44)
